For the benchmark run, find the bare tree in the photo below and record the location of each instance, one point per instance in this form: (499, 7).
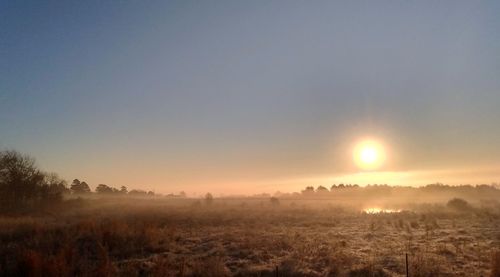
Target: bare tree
(23, 185)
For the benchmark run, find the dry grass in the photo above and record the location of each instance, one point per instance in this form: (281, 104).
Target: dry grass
(495, 264)
(255, 239)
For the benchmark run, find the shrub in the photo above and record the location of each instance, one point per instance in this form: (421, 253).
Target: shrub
(274, 201)
(458, 204)
(209, 199)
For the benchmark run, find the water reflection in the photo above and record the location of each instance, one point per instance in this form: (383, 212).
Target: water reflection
(377, 210)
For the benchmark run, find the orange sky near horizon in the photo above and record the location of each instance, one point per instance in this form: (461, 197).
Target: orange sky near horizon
(250, 97)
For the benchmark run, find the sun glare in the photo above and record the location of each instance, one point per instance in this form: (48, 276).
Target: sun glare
(376, 210)
(369, 155)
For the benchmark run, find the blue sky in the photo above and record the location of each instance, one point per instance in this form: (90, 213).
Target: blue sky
(246, 96)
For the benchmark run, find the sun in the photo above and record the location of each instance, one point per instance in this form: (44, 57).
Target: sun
(369, 155)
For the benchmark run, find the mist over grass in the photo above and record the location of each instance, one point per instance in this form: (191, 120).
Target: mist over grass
(50, 228)
(250, 237)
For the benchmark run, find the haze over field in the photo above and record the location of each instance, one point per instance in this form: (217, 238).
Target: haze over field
(250, 97)
(250, 138)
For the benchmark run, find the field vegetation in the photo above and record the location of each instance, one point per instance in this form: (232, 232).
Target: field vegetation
(345, 230)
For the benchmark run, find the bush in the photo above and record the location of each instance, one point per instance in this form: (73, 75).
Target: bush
(274, 201)
(458, 204)
(209, 199)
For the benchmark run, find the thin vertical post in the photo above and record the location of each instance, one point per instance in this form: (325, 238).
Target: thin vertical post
(406, 261)
(277, 275)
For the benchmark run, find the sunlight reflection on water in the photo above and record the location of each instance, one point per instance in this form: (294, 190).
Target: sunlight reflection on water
(375, 210)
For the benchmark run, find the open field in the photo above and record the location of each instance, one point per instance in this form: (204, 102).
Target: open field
(250, 237)
(249, 138)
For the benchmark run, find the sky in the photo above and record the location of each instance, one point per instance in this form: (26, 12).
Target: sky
(252, 96)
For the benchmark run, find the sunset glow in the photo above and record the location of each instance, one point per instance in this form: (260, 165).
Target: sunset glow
(369, 155)
(173, 96)
(249, 138)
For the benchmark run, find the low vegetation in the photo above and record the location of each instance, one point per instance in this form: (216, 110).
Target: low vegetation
(48, 229)
(247, 238)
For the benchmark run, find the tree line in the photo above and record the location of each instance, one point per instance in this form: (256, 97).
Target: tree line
(23, 186)
(81, 188)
